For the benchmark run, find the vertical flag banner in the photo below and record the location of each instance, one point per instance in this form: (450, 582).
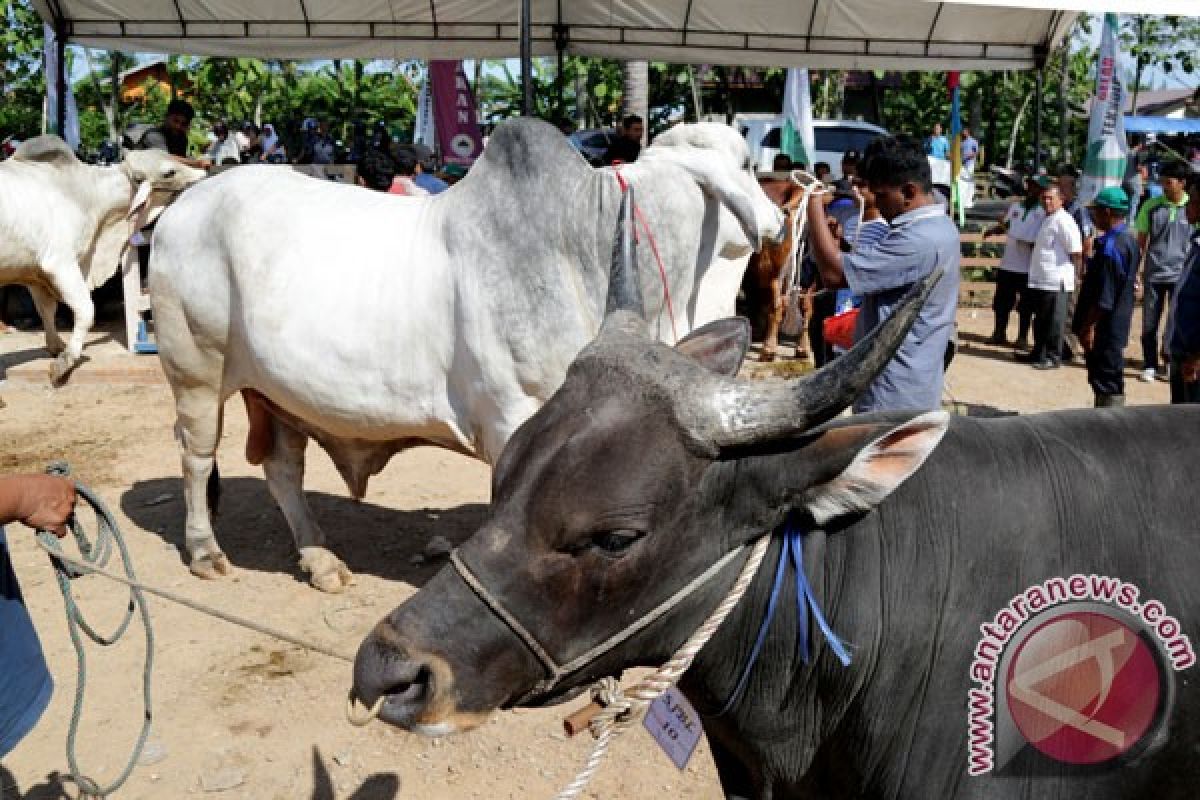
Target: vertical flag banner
(1104, 164)
(50, 54)
(956, 163)
(424, 131)
(797, 137)
(454, 113)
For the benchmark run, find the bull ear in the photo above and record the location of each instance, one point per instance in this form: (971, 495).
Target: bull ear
(719, 346)
(718, 180)
(879, 467)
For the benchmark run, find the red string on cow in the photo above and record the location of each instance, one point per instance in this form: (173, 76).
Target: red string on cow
(662, 271)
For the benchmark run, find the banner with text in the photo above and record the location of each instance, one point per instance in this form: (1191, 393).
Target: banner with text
(454, 113)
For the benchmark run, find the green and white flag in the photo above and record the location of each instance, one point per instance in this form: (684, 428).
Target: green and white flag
(797, 138)
(1104, 164)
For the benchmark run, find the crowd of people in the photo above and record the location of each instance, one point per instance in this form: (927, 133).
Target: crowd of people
(1112, 252)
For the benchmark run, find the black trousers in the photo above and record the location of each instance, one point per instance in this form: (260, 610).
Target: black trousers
(1106, 366)
(1049, 321)
(824, 304)
(1012, 291)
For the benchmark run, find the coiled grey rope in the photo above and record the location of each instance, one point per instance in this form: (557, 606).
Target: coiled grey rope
(97, 554)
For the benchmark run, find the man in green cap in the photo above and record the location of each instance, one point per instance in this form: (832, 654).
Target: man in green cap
(1105, 308)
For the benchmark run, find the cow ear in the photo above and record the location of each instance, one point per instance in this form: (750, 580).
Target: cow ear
(877, 469)
(720, 346)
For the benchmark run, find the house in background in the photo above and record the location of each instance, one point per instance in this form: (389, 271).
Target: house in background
(1166, 112)
(1169, 103)
(137, 81)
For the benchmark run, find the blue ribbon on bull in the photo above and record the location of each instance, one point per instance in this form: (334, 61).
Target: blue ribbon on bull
(792, 551)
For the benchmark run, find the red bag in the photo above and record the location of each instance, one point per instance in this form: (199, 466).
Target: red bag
(839, 329)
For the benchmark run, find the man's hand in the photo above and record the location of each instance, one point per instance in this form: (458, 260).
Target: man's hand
(1190, 367)
(43, 502)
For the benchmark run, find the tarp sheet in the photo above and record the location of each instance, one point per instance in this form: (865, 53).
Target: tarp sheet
(848, 34)
(1165, 125)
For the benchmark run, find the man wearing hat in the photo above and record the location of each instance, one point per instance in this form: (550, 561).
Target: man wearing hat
(1105, 307)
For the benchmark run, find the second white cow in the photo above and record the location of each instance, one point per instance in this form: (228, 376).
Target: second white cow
(64, 225)
(373, 323)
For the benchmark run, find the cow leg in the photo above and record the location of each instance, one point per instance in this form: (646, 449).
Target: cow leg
(47, 306)
(775, 309)
(284, 466)
(68, 282)
(199, 430)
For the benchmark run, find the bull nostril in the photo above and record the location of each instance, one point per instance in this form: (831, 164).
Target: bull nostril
(414, 690)
(393, 686)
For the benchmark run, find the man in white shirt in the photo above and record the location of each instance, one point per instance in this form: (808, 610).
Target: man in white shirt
(1020, 224)
(1057, 257)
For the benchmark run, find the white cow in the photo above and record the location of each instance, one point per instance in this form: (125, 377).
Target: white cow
(64, 226)
(373, 323)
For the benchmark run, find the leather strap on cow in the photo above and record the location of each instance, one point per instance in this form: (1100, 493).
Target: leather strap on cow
(556, 672)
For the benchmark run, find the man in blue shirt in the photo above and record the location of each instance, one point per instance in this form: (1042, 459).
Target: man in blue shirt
(43, 502)
(1105, 307)
(938, 145)
(1183, 328)
(921, 239)
(969, 150)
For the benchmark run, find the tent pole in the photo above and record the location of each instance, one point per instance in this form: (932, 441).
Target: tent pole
(526, 61)
(60, 88)
(1037, 121)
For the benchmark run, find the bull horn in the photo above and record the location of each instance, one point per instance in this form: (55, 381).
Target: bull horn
(747, 413)
(624, 283)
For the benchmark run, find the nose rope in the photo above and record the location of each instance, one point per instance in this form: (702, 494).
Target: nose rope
(555, 672)
(618, 710)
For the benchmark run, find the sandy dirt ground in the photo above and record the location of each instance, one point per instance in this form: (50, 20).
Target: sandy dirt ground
(239, 715)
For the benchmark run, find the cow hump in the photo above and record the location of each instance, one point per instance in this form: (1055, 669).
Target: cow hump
(47, 149)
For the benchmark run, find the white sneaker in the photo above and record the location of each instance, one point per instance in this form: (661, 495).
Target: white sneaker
(1147, 375)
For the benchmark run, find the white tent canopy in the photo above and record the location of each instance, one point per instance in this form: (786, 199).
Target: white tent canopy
(850, 34)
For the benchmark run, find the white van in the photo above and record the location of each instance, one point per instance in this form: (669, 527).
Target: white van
(833, 138)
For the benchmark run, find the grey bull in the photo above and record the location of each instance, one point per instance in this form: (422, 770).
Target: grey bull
(372, 323)
(921, 532)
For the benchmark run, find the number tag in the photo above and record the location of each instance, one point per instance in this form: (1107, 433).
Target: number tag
(675, 725)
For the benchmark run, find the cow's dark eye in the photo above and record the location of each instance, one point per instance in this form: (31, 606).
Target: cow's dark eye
(615, 543)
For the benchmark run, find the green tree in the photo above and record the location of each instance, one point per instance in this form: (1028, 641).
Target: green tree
(1167, 42)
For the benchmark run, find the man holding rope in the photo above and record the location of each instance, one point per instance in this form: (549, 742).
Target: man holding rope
(42, 502)
(920, 240)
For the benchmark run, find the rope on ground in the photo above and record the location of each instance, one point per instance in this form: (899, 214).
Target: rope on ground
(95, 557)
(96, 554)
(622, 709)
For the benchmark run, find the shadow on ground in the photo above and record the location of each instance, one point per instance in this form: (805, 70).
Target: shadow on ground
(380, 786)
(371, 539)
(54, 788)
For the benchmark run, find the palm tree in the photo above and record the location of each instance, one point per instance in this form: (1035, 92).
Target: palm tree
(636, 99)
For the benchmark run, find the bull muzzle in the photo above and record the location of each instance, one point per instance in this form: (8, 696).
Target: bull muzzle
(406, 688)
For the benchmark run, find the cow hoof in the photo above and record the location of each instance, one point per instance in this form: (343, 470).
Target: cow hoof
(211, 567)
(327, 571)
(334, 582)
(61, 369)
(766, 356)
